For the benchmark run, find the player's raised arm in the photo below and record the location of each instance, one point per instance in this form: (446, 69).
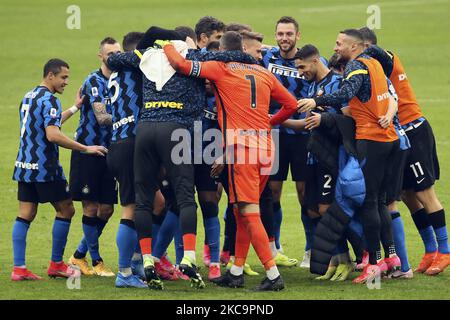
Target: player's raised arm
(294, 124)
(209, 70)
(353, 80)
(126, 60)
(287, 100)
(383, 57)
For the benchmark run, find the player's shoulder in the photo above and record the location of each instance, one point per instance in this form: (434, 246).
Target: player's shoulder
(335, 77)
(271, 52)
(354, 65)
(94, 83)
(270, 55)
(96, 77)
(40, 94)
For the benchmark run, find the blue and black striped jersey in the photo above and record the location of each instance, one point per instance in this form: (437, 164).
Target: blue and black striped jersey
(329, 84)
(38, 158)
(125, 92)
(89, 132)
(356, 83)
(182, 98)
(290, 77)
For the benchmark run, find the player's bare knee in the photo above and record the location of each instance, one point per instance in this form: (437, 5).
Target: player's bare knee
(245, 207)
(392, 206)
(128, 212)
(429, 200)
(409, 198)
(65, 209)
(90, 208)
(300, 186)
(27, 210)
(313, 214)
(323, 209)
(105, 211)
(208, 196)
(276, 187)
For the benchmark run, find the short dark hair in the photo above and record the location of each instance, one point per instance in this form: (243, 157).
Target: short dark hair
(107, 40)
(249, 35)
(54, 66)
(287, 19)
(231, 40)
(335, 62)
(208, 25)
(368, 35)
(213, 46)
(354, 33)
(131, 39)
(186, 31)
(238, 27)
(307, 51)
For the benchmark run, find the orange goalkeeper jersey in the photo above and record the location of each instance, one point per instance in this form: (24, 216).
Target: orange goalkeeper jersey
(243, 93)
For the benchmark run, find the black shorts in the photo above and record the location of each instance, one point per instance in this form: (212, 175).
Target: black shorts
(154, 149)
(91, 180)
(291, 151)
(203, 180)
(395, 173)
(120, 163)
(43, 192)
(319, 186)
(422, 164)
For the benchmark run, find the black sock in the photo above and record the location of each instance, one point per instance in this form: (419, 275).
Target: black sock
(421, 219)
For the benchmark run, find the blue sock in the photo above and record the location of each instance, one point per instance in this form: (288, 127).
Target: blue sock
(19, 239)
(211, 223)
(126, 240)
(179, 247)
(437, 220)
(155, 234)
(166, 233)
(277, 219)
(398, 232)
(212, 228)
(342, 246)
(59, 238)
(423, 225)
(309, 229)
(137, 249)
(91, 235)
(83, 246)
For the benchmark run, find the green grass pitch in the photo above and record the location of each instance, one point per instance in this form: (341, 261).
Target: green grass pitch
(31, 32)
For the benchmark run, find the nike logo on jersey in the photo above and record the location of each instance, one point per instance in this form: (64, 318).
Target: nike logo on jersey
(325, 193)
(420, 181)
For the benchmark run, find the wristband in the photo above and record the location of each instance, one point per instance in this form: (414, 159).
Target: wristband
(73, 109)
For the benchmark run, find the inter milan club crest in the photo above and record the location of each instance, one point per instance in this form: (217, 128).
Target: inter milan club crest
(85, 190)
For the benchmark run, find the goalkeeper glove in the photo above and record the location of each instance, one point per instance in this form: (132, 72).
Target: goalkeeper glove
(161, 43)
